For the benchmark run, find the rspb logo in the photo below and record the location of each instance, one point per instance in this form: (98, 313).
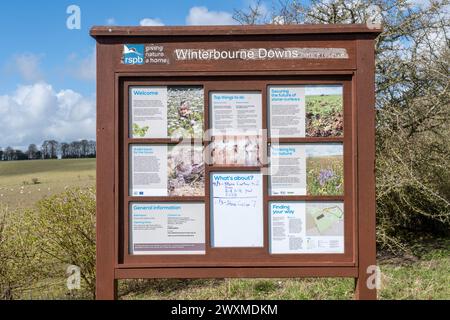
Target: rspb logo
(133, 54)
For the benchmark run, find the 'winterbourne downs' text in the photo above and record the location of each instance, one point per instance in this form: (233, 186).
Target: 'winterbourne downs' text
(261, 54)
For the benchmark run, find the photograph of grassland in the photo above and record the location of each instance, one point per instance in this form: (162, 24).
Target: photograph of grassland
(325, 169)
(185, 111)
(324, 111)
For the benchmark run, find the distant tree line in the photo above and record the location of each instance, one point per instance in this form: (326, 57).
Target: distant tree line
(51, 149)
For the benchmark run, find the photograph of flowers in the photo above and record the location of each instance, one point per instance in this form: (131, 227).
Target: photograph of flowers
(324, 169)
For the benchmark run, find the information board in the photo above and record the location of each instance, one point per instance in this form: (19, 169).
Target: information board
(239, 151)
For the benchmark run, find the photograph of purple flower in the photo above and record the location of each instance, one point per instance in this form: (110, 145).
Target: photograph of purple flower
(325, 169)
(325, 175)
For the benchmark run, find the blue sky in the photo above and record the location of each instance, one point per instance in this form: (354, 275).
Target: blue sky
(47, 72)
(39, 28)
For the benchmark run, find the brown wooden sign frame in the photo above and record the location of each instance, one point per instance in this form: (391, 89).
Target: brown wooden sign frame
(355, 73)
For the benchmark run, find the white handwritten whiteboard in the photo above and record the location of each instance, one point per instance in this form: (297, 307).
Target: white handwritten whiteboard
(237, 209)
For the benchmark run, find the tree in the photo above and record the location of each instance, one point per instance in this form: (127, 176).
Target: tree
(45, 150)
(38, 154)
(64, 149)
(412, 102)
(92, 149)
(50, 149)
(75, 148)
(53, 145)
(19, 155)
(78, 149)
(84, 145)
(32, 152)
(8, 154)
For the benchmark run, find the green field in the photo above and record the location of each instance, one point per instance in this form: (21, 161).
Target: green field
(22, 183)
(324, 105)
(423, 273)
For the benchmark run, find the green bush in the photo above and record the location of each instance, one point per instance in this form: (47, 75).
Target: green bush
(36, 244)
(21, 261)
(65, 224)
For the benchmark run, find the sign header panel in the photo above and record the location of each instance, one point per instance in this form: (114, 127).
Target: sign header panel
(242, 55)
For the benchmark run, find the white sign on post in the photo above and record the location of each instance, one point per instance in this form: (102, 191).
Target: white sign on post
(237, 209)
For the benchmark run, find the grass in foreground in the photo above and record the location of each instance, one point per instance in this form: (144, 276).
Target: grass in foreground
(404, 277)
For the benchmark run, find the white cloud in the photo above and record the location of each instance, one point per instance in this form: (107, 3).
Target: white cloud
(151, 22)
(202, 16)
(83, 68)
(27, 65)
(111, 21)
(278, 20)
(87, 66)
(37, 112)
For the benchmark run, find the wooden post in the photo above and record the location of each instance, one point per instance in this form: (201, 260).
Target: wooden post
(106, 285)
(365, 102)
